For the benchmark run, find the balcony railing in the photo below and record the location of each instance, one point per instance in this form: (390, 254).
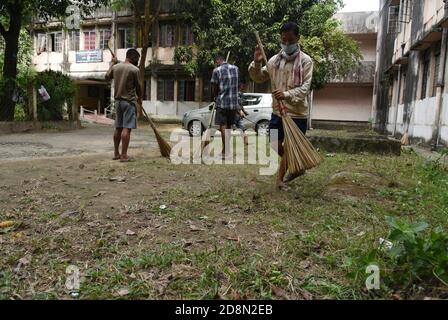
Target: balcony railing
(364, 73)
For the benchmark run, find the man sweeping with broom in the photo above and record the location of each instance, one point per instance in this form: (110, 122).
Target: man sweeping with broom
(127, 95)
(291, 73)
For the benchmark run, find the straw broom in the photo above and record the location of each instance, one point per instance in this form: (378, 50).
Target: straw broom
(300, 154)
(165, 148)
(405, 139)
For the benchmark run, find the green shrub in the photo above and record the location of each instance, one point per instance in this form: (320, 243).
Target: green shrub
(20, 114)
(414, 258)
(61, 90)
(417, 256)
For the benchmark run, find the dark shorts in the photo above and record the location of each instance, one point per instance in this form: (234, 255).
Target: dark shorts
(126, 116)
(225, 117)
(277, 124)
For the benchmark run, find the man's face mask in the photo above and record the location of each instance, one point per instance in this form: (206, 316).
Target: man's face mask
(289, 48)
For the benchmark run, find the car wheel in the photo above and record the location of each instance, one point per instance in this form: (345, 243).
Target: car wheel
(195, 129)
(263, 128)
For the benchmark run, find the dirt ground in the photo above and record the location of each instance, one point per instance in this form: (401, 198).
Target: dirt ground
(154, 230)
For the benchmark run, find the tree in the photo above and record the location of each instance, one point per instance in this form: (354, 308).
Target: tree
(144, 23)
(25, 72)
(14, 15)
(229, 25)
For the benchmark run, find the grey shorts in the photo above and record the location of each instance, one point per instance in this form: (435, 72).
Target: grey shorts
(126, 116)
(225, 117)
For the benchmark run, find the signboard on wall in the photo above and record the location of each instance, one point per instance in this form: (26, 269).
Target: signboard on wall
(89, 56)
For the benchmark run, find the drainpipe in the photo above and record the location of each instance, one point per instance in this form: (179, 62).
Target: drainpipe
(440, 89)
(397, 101)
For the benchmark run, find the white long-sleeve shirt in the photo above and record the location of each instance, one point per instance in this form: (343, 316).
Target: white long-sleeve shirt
(296, 97)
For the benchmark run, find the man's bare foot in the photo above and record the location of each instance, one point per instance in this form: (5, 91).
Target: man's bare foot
(283, 187)
(126, 159)
(117, 157)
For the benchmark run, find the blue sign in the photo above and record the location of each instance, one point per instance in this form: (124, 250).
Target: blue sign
(89, 56)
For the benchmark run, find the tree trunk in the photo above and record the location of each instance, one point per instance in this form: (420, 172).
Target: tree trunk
(11, 37)
(145, 27)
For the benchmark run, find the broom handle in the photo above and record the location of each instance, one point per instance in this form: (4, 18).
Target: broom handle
(151, 123)
(211, 116)
(265, 58)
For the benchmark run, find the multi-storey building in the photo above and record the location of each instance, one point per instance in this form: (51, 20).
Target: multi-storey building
(85, 56)
(349, 100)
(169, 91)
(410, 95)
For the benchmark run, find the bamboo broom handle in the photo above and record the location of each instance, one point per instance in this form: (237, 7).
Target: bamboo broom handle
(265, 59)
(260, 45)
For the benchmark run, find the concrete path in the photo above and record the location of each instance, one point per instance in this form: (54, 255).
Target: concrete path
(92, 139)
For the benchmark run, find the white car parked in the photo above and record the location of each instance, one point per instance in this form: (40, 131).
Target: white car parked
(257, 105)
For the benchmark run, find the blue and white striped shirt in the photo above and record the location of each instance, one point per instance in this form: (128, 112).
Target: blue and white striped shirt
(226, 76)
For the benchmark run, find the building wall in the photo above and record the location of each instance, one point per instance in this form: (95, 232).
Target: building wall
(351, 98)
(93, 73)
(417, 99)
(343, 103)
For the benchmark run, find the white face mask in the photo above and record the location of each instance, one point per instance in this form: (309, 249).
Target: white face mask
(289, 48)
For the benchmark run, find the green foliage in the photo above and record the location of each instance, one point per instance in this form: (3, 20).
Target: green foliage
(60, 88)
(222, 26)
(417, 256)
(184, 55)
(20, 114)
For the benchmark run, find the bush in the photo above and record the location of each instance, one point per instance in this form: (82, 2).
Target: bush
(20, 114)
(61, 90)
(417, 256)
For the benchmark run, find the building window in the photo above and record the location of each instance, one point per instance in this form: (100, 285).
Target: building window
(74, 40)
(104, 38)
(41, 43)
(168, 6)
(425, 80)
(165, 89)
(403, 86)
(147, 89)
(393, 25)
(90, 40)
(55, 42)
(167, 34)
(125, 38)
(186, 90)
(436, 68)
(206, 92)
(406, 11)
(187, 37)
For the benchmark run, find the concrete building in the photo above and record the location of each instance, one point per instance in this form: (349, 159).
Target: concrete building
(410, 93)
(349, 100)
(84, 55)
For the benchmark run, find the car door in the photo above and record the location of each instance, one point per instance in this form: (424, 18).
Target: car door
(252, 105)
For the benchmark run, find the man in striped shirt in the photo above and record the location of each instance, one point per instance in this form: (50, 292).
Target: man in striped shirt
(225, 89)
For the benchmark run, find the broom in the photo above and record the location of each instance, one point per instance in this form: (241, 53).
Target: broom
(300, 154)
(165, 148)
(405, 139)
